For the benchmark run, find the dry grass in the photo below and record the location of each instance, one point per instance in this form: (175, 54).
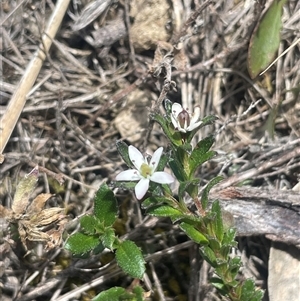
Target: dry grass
(94, 88)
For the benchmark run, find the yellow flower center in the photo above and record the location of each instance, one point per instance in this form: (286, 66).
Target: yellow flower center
(145, 170)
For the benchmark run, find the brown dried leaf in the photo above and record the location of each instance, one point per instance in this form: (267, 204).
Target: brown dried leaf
(47, 217)
(38, 203)
(56, 235)
(31, 217)
(23, 192)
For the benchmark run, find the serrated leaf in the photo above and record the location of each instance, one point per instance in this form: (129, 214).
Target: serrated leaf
(265, 39)
(80, 244)
(130, 259)
(229, 237)
(122, 148)
(193, 234)
(165, 211)
(174, 137)
(218, 283)
(105, 208)
(205, 121)
(139, 293)
(208, 254)
(168, 107)
(201, 154)
(23, 191)
(152, 201)
(250, 293)
(178, 170)
(108, 238)
(112, 294)
(190, 187)
(208, 187)
(88, 224)
(218, 222)
(214, 244)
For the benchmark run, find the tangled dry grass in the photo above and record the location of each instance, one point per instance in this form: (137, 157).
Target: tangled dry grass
(97, 84)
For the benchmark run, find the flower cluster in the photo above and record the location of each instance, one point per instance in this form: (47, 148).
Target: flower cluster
(144, 172)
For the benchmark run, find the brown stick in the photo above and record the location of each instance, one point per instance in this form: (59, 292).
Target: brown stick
(18, 100)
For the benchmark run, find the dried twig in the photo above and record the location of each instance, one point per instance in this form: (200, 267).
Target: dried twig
(17, 102)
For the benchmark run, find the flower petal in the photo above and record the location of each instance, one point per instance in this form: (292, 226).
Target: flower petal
(193, 126)
(136, 157)
(176, 109)
(129, 175)
(180, 129)
(141, 188)
(162, 177)
(155, 158)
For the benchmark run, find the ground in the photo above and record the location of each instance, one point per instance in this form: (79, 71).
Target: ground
(107, 68)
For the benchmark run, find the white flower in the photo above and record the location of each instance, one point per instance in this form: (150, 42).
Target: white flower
(144, 172)
(182, 120)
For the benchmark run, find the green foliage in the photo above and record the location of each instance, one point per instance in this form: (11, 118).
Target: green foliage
(201, 153)
(206, 190)
(97, 233)
(105, 208)
(122, 148)
(130, 259)
(193, 233)
(165, 211)
(265, 39)
(120, 294)
(205, 226)
(80, 244)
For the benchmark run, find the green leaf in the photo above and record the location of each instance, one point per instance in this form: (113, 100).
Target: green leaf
(182, 155)
(80, 244)
(124, 185)
(189, 186)
(229, 237)
(208, 254)
(162, 162)
(112, 294)
(205, 121)
(193, 234)
(218, 222)
(250, 293)
(139, 293)
(218, 283)
(201, 153)
(152, 201)
(234, 266)
(265, 39)
(165, 211)
(122, 148)
(174, 137)
(130, 259)
(108, 238)
(178, 170)
(168, 107)
(208, 187)
(88, 224)
(214, 244)
(105, 208)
